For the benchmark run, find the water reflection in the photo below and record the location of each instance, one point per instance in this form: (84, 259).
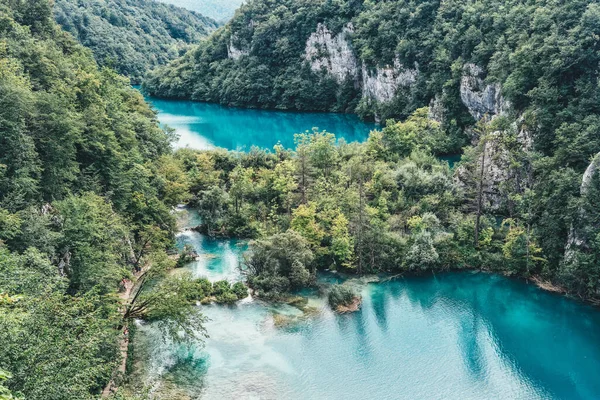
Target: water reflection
(204, 126)
(452, 336)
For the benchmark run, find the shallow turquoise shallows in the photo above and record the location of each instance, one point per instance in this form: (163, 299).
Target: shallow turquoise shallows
(450, 336)
(203, 126)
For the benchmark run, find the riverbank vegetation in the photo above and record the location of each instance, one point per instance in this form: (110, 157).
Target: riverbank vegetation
(389, 205)
(85, 199)
(518, 202)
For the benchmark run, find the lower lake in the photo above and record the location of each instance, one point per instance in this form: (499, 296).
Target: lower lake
(204, 126)
(462, 335)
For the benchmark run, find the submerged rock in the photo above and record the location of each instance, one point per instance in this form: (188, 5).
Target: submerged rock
(351, 307)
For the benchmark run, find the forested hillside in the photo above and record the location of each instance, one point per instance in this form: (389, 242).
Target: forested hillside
(512, 84)
(86, 186)
(387, 58)
(219, 10)
(132, 36)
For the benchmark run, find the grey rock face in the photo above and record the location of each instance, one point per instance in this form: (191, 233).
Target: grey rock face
(479, 98)
(383, 83)
(591, 170)
(436, 110)
(233, 52)
(497, 169)
(332, 53)
(325, 51)
(576, 239)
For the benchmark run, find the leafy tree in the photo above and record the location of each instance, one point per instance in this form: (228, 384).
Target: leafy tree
(279, 264)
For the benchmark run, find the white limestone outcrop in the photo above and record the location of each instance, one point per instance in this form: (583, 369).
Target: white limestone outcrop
(383, 83)
(332, 53)
(479, 98)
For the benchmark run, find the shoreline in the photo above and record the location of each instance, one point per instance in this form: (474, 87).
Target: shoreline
(539, 282)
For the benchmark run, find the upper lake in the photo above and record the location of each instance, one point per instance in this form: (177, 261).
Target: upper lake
(204, 126)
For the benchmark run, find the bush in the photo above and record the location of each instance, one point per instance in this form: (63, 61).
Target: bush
(220, 287)
(341, 295)
(227, 298)
(187, 255)
(240, 290)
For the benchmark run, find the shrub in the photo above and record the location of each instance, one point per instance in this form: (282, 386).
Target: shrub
(240, 290)
(341, 295)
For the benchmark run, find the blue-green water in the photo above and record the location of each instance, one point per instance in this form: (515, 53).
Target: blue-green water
(449, 336)
(204, 126)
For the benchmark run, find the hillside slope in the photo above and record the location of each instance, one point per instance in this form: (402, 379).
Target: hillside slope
(387, 58)
(132, 36)
(82, 198)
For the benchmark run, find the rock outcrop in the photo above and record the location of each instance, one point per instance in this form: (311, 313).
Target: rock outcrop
(234, 52)
(576, 239)
(591, 170)
(479, 98)
(332, 53)
(436, 110)
(498, 169)
(383, 83)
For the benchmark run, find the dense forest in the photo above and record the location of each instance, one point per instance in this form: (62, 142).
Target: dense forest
(88, 179)
(132, 36)
(389, 205)
(511, 85)
(87, 182)
(219, 10)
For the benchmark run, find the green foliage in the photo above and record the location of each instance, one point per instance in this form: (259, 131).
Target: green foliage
(399, 139)
(187, 255)
(86, 181)
(240, 290)
(279, 264)
(5, 394)
(94, 236)
(341, 295)
(59, 346)
(132, 36)
(204, 291)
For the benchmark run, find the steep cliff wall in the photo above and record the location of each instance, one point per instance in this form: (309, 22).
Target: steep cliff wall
(332, 53)
(383, 83)
(577, 239)
(481, 99)
(233, 51)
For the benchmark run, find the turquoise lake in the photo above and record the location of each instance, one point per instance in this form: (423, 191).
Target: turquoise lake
(449, 336)
(204, 126)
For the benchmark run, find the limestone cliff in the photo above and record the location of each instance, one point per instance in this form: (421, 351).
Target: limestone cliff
(383, 83)
(481, 99)
(576, 238)
(332, 53)
(233, 51)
